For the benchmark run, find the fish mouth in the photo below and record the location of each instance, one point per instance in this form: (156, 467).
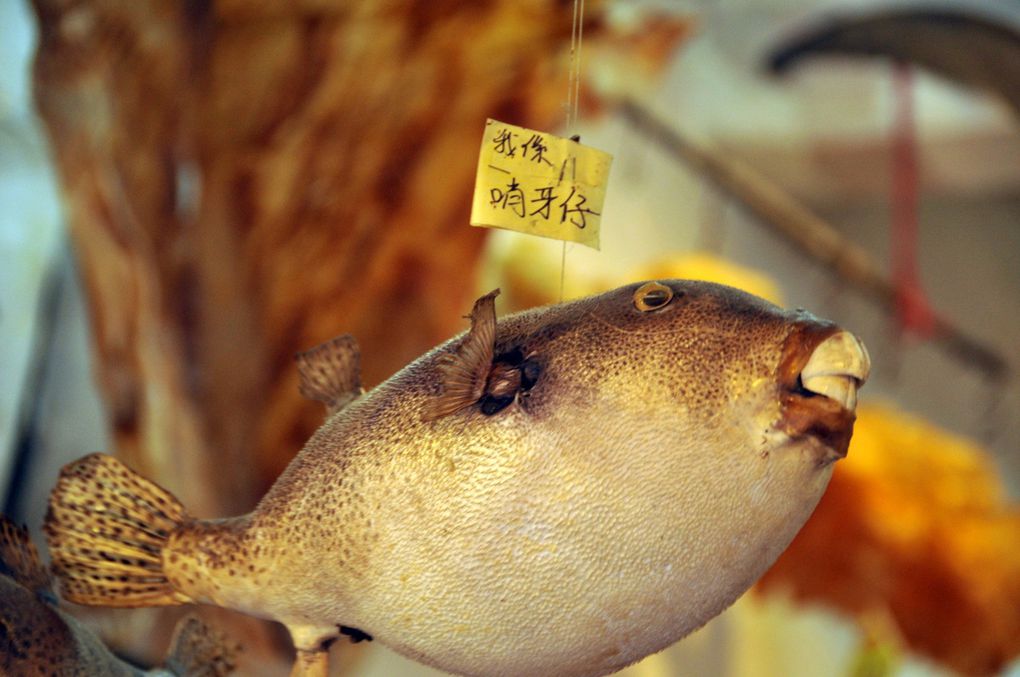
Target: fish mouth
(819, 375)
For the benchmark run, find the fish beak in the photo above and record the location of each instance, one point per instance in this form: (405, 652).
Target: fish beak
(838, 366)
(821, 371)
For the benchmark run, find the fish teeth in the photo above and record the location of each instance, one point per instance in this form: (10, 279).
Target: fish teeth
(836, 368)
(842, 389)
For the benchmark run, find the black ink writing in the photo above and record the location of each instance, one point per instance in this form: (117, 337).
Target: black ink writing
(572, 204)
(533, 148)
(573, 209)
(572, 161)
(504, 143)
(512, 198)
(537, 149)
(545, 199)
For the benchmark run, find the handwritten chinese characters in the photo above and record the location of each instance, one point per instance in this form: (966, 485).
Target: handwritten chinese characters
(539, 184)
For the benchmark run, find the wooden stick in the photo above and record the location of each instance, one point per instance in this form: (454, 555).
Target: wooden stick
(813, 235)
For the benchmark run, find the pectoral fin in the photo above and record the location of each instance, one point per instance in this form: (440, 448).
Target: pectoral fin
(331, 372)
(20, 560)
(464, 372)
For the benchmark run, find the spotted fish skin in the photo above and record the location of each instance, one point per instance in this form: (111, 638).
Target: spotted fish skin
(39, 639)
(652, 464)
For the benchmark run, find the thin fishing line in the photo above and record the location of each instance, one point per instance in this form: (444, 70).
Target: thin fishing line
(572, 69)
(563, 267)
(577, 61)
(572, 103)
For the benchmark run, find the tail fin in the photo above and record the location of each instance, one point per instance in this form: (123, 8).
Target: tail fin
(20, 560)
(198, 650)
(106, 527)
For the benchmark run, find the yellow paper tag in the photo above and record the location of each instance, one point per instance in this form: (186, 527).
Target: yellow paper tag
(539, 184)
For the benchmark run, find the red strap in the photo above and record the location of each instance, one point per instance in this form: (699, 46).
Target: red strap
(915, 313)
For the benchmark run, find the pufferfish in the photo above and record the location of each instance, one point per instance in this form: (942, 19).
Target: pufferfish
(39, 639)
(563, 491)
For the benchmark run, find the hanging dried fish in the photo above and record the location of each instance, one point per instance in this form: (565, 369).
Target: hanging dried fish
(562, 492)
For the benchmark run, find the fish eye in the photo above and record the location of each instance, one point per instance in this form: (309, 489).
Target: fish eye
(652, 296)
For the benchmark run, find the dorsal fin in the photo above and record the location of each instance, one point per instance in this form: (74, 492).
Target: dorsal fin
(19, 558)
(199, 649)
(331, 372)
(464, 371)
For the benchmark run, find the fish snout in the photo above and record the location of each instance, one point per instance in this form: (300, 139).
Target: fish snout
(837, 367)
(822, 369)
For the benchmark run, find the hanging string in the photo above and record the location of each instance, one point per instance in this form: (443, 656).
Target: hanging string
(574, 67)
(572, 103)
(576, 49)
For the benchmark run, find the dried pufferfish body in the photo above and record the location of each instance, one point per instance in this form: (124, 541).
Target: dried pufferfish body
(563, 492)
